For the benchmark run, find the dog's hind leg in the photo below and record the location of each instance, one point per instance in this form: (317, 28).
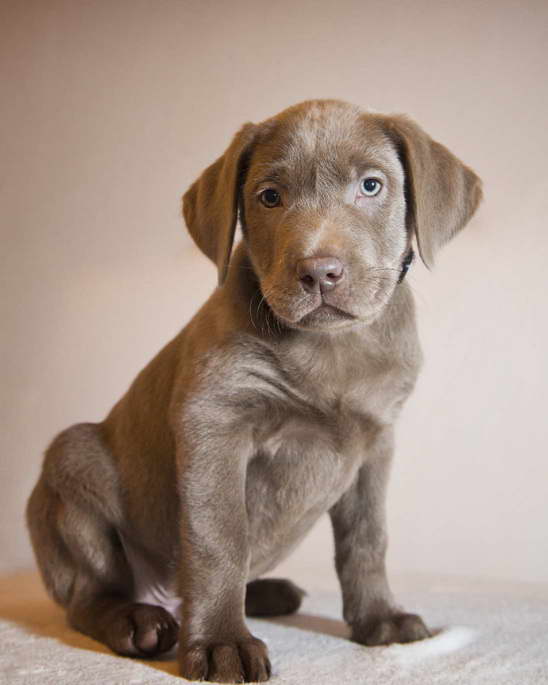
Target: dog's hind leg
(272, 597)
(73, 517)
(129, 628)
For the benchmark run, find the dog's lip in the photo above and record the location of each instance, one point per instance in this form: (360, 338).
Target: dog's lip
(325, 313)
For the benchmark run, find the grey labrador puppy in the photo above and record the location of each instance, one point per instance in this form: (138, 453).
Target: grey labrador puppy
(275, 404)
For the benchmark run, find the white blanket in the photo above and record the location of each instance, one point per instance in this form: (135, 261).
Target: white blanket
(482, 635)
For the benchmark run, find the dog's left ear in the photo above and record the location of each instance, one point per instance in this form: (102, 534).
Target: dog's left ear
(210, 205)
(442, 193)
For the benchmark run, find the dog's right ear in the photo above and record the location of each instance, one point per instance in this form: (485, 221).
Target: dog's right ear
(210, 205)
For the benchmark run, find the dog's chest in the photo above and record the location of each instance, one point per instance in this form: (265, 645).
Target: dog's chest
(308, 450)
(306, 415)
(300, 470)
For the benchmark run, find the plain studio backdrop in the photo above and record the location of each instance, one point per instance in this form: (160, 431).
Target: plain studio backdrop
(112, 108)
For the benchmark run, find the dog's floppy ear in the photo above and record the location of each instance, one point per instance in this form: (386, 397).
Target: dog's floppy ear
(442, 193)
(210, 205)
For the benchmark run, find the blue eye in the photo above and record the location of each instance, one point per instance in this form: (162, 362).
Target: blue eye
(370, 186)
(270, 198)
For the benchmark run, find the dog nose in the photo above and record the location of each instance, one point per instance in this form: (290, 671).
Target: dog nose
(320, 273)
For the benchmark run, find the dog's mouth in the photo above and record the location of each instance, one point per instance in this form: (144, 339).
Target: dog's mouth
(321, 317)
(325, 315)
(328, 311)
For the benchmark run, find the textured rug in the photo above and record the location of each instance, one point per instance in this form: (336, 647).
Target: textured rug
(483, 634)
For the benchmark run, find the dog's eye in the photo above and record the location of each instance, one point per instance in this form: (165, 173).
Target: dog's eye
(370, 186)
(270, 197)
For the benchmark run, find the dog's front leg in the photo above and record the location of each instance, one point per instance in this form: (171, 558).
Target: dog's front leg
(214, 642)
(359, 527)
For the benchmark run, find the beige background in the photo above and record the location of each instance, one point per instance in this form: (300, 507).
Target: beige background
(111, 108)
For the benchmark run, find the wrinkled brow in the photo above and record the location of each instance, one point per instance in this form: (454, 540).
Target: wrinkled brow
(270, 174)
(324, 170)
(302, 171)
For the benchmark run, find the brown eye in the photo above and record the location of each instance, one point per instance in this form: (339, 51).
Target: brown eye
(270, 197)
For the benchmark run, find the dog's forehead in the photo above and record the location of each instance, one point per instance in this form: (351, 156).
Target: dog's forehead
(329, 137)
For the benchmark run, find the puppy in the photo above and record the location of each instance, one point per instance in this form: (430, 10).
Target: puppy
(275, 404)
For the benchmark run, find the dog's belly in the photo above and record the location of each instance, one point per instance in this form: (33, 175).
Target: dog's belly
(301, 470)
(150, 586)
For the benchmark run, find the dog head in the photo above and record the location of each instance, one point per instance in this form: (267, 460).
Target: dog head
(330, 199)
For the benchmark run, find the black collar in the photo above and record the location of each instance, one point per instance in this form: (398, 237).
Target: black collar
(406, 263)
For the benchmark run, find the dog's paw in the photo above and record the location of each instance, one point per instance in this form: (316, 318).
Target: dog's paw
(398, 627)
(234, 662)
(141, 630)
(272, 597)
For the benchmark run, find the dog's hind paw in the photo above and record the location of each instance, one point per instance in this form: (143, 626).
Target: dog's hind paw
(141, 630)
(272, 597)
